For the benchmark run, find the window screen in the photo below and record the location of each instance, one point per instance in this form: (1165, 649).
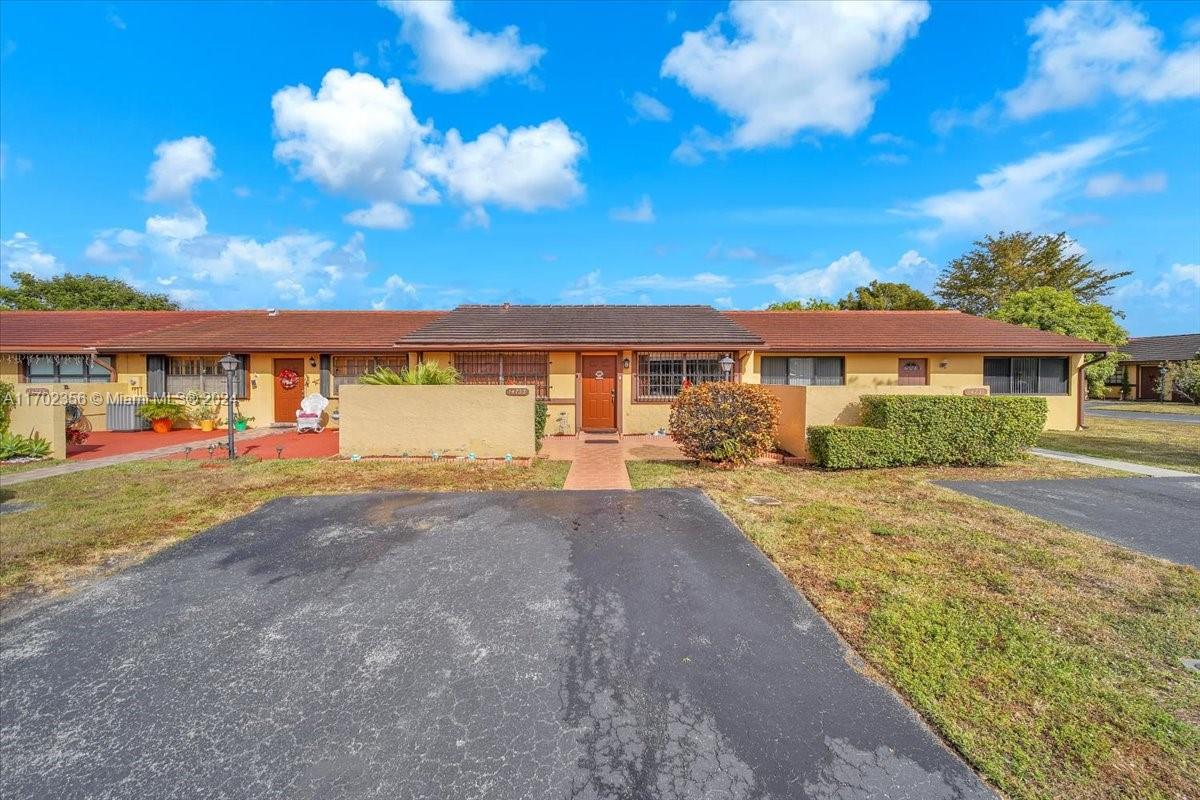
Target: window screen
(803, 370)
(1026, 375)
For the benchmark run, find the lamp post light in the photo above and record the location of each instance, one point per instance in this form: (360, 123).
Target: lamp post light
(727, 365)
(230, 364)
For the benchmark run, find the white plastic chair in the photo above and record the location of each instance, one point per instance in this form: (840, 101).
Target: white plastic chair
(308, 418)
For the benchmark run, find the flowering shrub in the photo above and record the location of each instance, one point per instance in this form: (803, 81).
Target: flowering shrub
(729, 423)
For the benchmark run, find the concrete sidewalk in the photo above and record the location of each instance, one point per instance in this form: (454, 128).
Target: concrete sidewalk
(1109, 463)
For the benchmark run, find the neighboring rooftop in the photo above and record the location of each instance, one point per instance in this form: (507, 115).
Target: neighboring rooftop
(76, 331)
(565, 326)
(901, 332)
(1180, 347)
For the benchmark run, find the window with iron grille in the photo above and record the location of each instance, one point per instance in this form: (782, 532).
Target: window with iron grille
(347, 369)
(40, 368)
(505, 369)
(660, 376)
(1026, 375)
(803, 370)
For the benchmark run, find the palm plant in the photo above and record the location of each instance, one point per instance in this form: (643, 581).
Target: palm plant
(427, 373)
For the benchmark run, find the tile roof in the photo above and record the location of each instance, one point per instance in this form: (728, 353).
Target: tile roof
(76, 331)
(1180, 347)
(595, 325)
(900, 332)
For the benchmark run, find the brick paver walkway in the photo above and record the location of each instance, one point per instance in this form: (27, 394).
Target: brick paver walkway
(598, 459)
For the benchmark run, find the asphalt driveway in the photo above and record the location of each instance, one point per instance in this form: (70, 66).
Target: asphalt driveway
(503, 645)
(1157, 516)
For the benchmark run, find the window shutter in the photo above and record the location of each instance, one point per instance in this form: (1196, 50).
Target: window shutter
(1052, 376)
(996, 373)
(774, 370)
(156, 375)
(326, 378)
(827, 372)
(243, 376)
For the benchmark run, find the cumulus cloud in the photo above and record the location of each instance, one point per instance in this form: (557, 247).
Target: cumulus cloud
(784, 67)
(185, 225)
(383, 216)
(1083, 51)
(912, 262)
(649, 108)
(178, 166)
(643, 211)
(451, 55)
(701, 281)
(1114, 183)
(393, 287)
(22, 253)
(1014, 196)
(841, 275)
(888, 139)
(358, 136)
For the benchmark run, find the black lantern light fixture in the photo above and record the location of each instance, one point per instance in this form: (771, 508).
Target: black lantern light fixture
(727, 365)
(229, 363)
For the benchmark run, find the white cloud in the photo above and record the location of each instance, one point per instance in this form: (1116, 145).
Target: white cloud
(1083, 51)
(889, 139)
(1015, 196)
(649, 108)
(526, 168)
(1114, 183)
(701, 281)
(383, 216)
(1181, 277)
(475, 217)
(847, 272)
(912, 262)
(792, 66)
(360, 61)
(22, 253)
(586, 289)
(187, 225)
(642, 212)
(451, 56)
(179, 165)
(355, 135)
(393, 286)
(358, 136)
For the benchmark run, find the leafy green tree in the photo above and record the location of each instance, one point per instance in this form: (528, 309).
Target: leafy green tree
(79, 292)
(979, 281)
(1181, 378)
(1059, 311)
(802, 305)
(885, 296)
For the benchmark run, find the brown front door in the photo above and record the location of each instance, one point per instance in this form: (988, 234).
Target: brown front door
(289, 388)
(913, 372)
(599, 396)
(1147, 388)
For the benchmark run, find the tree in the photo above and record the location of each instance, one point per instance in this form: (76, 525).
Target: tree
(884, 296)
(1059, 311)
(79, 292)
(978, 282)
(1181, 378)
(802, 305)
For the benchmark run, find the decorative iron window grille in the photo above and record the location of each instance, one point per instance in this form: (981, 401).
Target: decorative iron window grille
(660, 376)
(347, 369)
(498, 368)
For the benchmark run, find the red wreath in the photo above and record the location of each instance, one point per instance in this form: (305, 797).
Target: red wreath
(289, 379)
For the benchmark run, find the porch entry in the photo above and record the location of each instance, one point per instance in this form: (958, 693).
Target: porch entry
(598, 393)
(1147, 382)
(289, 388)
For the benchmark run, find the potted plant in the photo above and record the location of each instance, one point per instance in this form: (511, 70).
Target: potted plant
(206, 415)
(241, 421)
(162, 414)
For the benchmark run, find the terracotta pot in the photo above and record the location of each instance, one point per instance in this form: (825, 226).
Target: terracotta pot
(161, 425)
(206, 425)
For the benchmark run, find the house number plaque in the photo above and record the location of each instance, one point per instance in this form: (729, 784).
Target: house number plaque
(517, 391)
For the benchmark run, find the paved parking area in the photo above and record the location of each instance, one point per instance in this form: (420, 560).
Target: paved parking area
(491, 645)
(1156, 516)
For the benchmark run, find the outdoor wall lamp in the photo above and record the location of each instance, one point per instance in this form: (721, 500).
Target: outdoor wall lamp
(727, 364)
(624, 363)
(943, 363)
(312, 362)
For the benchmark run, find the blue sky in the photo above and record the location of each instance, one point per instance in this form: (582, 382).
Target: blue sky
(420, 155)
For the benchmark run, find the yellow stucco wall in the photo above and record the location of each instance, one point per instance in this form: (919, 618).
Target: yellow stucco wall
(793, 426)
(46, 421)
(639, 418)
(451, 420)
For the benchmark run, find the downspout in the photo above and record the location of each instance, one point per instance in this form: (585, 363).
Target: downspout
(1081, 387)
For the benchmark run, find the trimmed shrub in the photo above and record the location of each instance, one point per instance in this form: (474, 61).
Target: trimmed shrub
(15, 446)
(540, 412)
(8, 397)
(852, 447)
(932, 429)
(729, 423)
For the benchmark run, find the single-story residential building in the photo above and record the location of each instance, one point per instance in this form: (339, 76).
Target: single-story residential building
(598, 367)
(1147, 357)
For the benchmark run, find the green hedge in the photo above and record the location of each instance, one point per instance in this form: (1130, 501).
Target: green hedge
(541, 410)
(902, 430)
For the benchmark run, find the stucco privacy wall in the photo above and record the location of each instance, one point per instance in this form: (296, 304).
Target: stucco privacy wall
(451, 420)
(47, 421)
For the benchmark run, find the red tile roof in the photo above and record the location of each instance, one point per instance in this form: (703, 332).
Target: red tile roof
(586, 326)
(900, 332)
(78, 331)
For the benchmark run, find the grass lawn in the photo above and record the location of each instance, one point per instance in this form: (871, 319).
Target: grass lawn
(11, 469)
(1048, 658)
(1150, 406)
(130, 510)
(1163, 444)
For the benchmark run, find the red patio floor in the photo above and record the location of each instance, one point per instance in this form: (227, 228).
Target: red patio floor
(101, 444)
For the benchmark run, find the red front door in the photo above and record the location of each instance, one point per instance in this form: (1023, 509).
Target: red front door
(289, 388)
(599, 396)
